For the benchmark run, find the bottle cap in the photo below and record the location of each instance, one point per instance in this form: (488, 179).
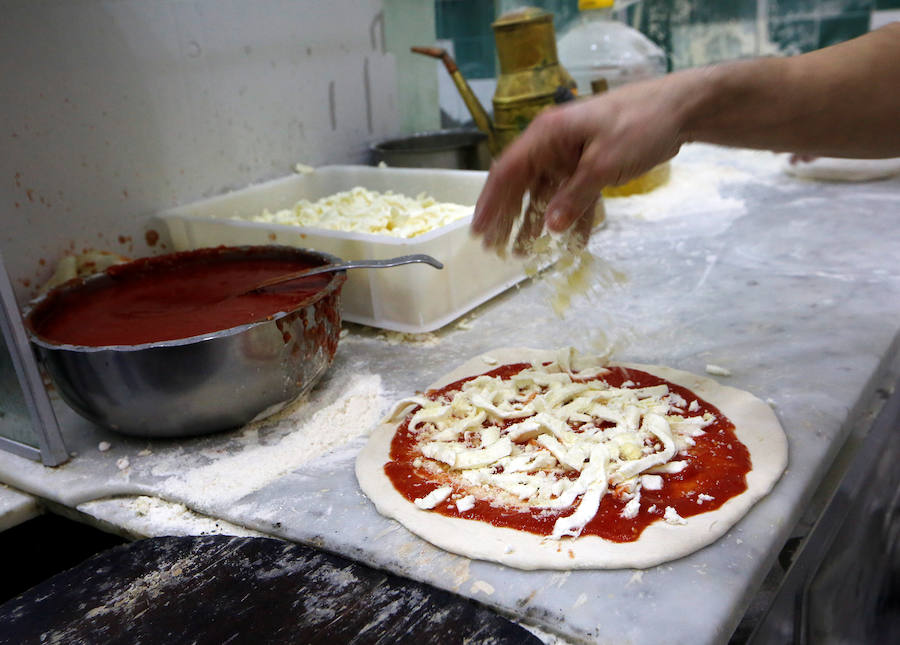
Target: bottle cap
(599, 85)
(584, 5)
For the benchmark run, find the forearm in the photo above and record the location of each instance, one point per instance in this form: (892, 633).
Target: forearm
(839, 101)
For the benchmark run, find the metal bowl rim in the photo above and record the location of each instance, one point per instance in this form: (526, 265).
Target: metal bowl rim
(76, 283)
(443, 141)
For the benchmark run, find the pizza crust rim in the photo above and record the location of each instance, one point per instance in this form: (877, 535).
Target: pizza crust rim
(756, 426)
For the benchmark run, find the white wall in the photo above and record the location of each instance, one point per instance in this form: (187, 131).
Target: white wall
(408, 23)
(116, 109)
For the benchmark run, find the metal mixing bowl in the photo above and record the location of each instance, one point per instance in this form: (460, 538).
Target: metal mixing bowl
(202, 384)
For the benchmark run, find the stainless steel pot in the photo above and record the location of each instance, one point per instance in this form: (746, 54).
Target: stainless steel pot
(455, 149)
(202, 384)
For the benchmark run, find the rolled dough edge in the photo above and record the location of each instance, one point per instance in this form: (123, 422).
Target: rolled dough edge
(756, 426)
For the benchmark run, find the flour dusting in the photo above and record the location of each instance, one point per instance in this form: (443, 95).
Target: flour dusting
(143, 590)
(701, 180)
(230, 477)
(692, 187)
(146, 516)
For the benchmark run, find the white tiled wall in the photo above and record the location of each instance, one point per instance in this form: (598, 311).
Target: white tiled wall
(881, 18)
(116, 109)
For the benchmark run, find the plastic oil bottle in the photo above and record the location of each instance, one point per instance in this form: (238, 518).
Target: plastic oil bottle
(602, 53)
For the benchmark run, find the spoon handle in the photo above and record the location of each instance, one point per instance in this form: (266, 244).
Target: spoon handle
(378, 264)
(354, 264)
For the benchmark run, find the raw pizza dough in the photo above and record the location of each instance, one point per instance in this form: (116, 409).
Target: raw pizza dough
(847, 170)
(755, 425)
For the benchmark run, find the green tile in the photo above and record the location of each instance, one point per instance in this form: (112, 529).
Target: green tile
(794, 36)
(564, 11)
(468, 24)
(475, 56)
(657, 17)
(838, 29)
(718, 11)
(792, 8)
(840, 7)
(463, 18)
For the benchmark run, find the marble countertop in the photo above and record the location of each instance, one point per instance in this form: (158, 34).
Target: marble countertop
(792, 285)
(17, 507)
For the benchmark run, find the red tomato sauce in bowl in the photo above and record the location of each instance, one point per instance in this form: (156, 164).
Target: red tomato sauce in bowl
(176, 296)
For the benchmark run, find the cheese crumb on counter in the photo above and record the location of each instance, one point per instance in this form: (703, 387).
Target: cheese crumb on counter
(360, 210)
(717, 370)
(427, 339)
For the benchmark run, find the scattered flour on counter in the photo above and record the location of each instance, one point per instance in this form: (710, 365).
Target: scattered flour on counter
(482, 586)
(692, 187)
(700, 178)
(227, 478)
(544, 636)
(143, 589)
(458, 572)
(145, 516)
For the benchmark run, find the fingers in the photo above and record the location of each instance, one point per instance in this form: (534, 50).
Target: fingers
(581, 230)
(799, 158)
(500, 202)
(577, 197)
(498, 206)
(522, 167)
(533, 220)
(574, 201)
(548, 161)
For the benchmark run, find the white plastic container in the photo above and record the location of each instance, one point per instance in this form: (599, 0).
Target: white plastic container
(414, 298)
(596, 46)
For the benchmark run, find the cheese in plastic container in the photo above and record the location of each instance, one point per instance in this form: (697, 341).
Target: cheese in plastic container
(413, 298)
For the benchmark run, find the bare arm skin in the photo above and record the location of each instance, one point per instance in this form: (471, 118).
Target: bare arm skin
(841, 101)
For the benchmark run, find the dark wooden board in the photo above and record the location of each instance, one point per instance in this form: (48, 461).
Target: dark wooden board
(221, 589)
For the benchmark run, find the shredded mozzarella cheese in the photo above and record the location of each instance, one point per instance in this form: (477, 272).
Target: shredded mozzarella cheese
(555, 457)
(366, 211)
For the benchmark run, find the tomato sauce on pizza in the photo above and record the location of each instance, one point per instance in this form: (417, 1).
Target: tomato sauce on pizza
(708, 468)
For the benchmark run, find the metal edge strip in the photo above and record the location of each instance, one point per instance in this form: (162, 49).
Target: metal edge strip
(52, 449)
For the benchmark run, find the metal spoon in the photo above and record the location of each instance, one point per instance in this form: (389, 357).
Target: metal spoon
(355, 264)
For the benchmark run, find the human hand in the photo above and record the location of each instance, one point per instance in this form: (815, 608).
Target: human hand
(569, 153)
(798, 158)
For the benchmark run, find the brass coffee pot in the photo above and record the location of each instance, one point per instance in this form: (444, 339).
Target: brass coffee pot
(531, 77)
